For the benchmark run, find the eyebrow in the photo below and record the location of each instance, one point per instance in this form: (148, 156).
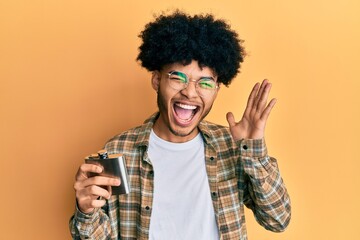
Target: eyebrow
(212, 78)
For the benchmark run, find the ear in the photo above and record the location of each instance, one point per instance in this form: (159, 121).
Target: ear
(155, 80)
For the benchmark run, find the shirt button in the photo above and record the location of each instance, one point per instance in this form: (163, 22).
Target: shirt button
(245, 147)
(213, 194)
(212, 158)
(151, 173)
(147, 208)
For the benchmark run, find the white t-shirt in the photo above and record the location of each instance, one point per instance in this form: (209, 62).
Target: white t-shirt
(182, 205)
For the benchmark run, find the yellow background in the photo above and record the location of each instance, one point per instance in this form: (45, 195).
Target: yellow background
(69, 81)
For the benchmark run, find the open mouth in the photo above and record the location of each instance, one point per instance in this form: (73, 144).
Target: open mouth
(184, 112)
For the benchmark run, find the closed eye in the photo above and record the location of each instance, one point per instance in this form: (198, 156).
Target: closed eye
(178, 76)
(207, 83)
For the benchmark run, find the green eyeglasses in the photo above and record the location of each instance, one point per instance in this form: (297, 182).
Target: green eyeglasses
(205, 86)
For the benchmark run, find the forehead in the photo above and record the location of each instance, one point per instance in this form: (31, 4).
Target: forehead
(192, 70)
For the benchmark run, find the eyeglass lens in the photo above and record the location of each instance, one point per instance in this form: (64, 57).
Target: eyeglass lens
(179, 81)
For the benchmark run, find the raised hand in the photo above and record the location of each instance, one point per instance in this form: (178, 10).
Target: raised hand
(252, 124)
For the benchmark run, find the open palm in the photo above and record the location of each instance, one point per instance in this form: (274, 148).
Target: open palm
(252, 124)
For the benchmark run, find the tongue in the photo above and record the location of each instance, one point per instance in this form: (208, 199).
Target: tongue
(183, 113)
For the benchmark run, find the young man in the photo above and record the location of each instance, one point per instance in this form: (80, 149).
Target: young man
(189, 178)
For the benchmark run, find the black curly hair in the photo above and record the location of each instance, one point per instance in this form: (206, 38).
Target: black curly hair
(179, 37)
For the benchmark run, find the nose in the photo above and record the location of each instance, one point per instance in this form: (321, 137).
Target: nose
(190, 90)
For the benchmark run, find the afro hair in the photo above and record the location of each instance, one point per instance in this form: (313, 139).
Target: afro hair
(181, 38)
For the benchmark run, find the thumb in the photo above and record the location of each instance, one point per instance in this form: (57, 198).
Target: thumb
(231, 119)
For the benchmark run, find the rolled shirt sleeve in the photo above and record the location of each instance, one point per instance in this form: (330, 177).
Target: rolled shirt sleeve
(266, 195)
(94, 225)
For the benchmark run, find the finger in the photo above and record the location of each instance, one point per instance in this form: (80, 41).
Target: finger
(259, 93)
(230, 119)
(251, 98)
(264, 116)
(87, 205)
(101, 181)
(86, 168)
(263, 97)
(109, 188)
(96, 191)
(92, 192)
(98, 203)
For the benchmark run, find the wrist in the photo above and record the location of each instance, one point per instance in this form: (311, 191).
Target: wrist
(256, 135)
(88, 211)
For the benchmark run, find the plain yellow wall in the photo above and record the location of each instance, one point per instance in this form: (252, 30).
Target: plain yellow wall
(69, 81)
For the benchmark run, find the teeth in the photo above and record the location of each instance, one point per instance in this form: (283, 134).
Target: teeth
(184, 106)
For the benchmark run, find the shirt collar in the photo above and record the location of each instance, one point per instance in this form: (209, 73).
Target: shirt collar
(145, 129)
(205, 131)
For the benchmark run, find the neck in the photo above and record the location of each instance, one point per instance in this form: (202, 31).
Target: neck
(166, 133)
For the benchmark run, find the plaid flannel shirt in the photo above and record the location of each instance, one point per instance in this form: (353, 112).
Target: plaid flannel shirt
(240, 173)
